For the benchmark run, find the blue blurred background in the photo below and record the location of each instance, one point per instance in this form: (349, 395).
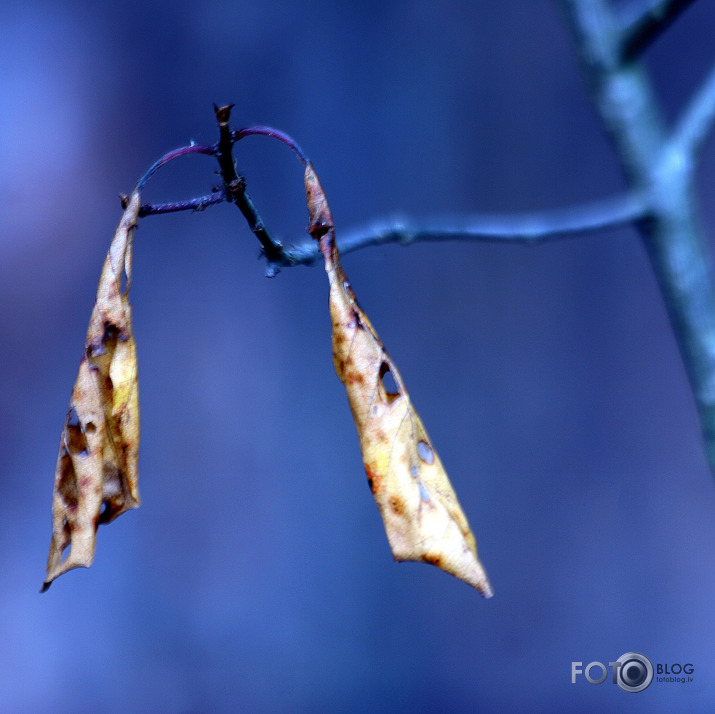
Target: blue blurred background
(256, 575)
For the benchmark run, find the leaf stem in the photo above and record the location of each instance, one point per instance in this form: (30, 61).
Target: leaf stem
(175, 154)
(274, 134)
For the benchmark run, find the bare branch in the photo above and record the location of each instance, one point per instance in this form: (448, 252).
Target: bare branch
(527, 228)
(644, 22)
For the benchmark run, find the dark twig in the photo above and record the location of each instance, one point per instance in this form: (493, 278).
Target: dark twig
(224, 148)
(235, 187)
(273, 249)
(644, 22)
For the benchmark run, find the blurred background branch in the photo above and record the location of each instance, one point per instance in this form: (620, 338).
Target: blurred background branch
(662, 162)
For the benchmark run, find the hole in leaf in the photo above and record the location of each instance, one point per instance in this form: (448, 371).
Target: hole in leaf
(67, 487)
(75, 440)
(66, 543)
(356, 321)
(103, 347)
(389, 385)
(105, 513)
(94, 350)
(424, 451)
(111, 333)
(111, 481)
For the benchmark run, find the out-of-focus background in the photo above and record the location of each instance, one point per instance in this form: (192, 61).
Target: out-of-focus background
(256, 576)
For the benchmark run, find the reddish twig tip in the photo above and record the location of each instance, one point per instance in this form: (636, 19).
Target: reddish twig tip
(275, 134)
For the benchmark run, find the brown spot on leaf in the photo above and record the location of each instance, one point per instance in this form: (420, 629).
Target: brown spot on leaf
(67, 486)
(397, 505)
(374, 480)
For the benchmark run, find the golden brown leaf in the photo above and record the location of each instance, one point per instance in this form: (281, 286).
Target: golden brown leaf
(423, 519)
(96, 474)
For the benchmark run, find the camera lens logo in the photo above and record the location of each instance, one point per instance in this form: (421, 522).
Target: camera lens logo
(634, 672)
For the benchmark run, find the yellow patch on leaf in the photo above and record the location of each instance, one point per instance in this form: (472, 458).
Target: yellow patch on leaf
(96, 474)
(422, 516)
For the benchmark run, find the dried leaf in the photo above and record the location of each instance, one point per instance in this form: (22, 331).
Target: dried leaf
(422, 517)
(96, 474)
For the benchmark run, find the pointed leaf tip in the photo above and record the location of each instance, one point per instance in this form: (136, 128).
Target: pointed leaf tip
(96, 474)
(419, 508)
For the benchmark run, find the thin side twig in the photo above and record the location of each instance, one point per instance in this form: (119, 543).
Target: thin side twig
(529, 228)
(697, 121)
(525, 229)
(192, 204)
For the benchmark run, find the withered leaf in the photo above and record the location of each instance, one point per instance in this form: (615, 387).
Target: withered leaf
(96, 474)
(422, 516)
